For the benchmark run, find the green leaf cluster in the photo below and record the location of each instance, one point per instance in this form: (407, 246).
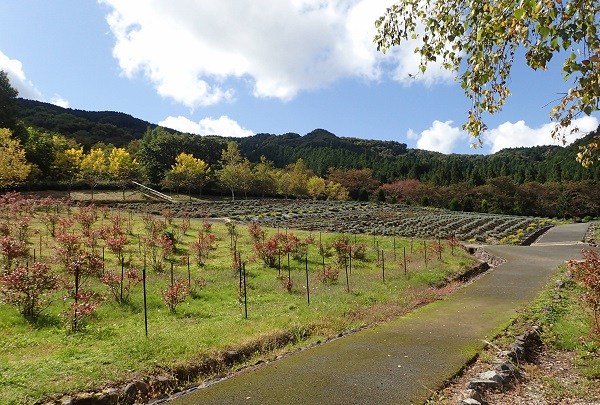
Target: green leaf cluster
(479, 40)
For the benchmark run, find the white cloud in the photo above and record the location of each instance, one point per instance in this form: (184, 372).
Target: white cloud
(223, 126)
(512, 135)
(440, 137)
(60, 101)
(26, 89)
(407, 69)
(195, 51)
(443, 136)
(17, 78)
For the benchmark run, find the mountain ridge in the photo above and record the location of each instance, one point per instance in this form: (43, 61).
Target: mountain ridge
(322, 149)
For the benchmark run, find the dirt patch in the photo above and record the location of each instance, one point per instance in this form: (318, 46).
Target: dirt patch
(551, 378)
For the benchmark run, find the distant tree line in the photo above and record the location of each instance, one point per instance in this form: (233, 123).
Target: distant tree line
(501, 195)
(320, 150)
(191, 164)
(72, 148)
(391, 161)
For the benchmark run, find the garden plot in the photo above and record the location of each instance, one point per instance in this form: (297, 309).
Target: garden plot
(95, 296)
(361, 218)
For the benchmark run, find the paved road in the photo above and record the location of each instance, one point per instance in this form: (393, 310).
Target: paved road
(403, 361)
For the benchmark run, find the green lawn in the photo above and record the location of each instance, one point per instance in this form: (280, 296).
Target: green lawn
(43, 357)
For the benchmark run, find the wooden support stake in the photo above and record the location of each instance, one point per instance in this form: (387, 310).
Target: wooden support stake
(76, 298)
(347, 279)
(122, 277)
(241, 285)
(350, 258)
(289, 269)
(189, 273)
(405, 269)
(172, 275)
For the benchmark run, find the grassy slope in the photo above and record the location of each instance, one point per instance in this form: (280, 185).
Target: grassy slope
(42, 358)
(566, 323)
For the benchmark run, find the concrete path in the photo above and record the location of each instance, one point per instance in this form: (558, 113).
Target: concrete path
(404, 361)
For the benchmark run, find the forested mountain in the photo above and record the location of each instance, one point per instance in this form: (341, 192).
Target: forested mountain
(86, 127)
(321, 150)
(390, 160)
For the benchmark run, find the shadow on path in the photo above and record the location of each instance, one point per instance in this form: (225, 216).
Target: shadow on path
(405, 360)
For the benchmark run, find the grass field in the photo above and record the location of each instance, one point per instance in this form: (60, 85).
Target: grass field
(44, 356)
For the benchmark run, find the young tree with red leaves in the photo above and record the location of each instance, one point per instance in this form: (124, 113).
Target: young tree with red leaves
(28, 288)
(115, 237)
(201, 247)
(12, 249)
(81, 265)
(116, 284)
(175, 294)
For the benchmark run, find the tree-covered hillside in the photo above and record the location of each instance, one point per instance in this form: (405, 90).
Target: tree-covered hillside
(543, 180)
(391, 161)
(322, 150)
(86, 127)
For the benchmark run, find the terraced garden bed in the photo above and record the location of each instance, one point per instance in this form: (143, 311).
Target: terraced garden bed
(361, 218)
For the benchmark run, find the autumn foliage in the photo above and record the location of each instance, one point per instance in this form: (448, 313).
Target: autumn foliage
(28, 288)
(586, 273)
(121, 288)
(175, 295)
(12, 249)
(201, 247)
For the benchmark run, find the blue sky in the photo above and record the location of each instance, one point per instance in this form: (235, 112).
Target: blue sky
(238, 67)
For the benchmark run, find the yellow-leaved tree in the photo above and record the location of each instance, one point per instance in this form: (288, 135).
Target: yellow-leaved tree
(13, 165)
(316, 187)
(188, 172)
(299, 177)
(93, 168)
(236, 171)
(68, 163)
(335, 191)
(122, 167)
